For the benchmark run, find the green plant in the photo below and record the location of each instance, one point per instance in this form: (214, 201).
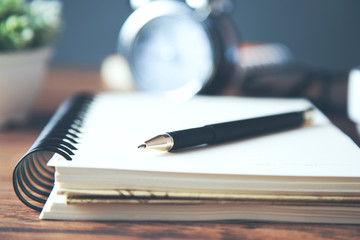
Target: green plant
(26, 25)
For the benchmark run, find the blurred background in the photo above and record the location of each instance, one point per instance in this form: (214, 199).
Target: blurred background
(321, 33)
(322, 37)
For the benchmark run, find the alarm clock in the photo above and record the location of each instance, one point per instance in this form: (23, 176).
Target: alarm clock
(180, 48)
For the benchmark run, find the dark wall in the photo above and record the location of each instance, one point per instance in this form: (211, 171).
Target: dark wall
(322, 33)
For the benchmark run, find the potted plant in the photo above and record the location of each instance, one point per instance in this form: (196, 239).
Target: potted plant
(27, 30)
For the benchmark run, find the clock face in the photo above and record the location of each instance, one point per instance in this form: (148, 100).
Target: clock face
(172, 55)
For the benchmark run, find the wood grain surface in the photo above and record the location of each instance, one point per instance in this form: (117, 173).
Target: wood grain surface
(19, 222)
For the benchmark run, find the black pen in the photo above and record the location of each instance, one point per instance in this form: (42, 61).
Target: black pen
(227, 131)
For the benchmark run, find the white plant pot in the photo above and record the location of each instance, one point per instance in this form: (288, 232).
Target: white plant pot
(354, 96)
(21, 76)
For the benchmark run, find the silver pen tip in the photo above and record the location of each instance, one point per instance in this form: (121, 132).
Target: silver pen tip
(142, 146)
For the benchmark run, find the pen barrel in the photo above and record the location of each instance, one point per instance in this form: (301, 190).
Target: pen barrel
(256, 126)
(191, 137)
(229, 131)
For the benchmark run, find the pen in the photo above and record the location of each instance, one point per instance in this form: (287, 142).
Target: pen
(227, 131)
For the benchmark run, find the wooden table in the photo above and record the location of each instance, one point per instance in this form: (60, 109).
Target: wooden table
(19, 222)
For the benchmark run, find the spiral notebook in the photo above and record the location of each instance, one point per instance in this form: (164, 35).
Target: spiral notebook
(85, 165)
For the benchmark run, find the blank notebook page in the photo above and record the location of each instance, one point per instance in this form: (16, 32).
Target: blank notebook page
(117, 123)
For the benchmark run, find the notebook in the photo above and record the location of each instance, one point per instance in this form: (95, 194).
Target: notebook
(85, 165)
